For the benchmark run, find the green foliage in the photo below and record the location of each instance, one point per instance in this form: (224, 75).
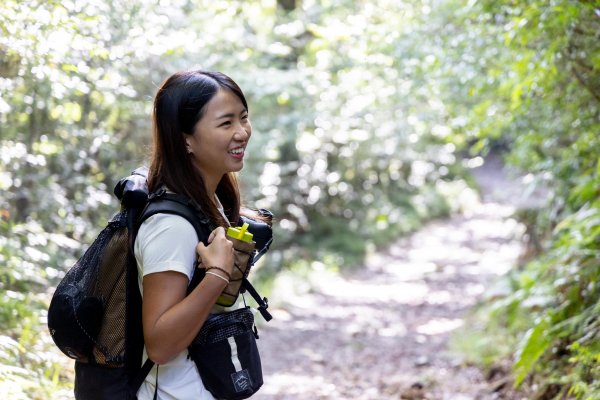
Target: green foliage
(349, 150)
(540, 100)
(359, 122)
(334, 149)
(535, 343)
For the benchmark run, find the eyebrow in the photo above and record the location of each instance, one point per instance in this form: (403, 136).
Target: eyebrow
(230, 115)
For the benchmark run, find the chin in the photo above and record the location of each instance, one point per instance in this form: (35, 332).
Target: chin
(238, 168)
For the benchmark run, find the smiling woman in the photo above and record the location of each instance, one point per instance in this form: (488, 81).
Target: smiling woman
(201, 129)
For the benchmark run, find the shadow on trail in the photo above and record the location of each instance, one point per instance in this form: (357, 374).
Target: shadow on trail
(382, 332)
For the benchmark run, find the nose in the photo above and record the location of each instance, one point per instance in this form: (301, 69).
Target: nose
(242, 132)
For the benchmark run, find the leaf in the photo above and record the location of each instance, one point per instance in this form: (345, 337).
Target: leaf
(534, 345)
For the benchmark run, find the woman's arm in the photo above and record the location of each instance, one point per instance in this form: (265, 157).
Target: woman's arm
(171, 319)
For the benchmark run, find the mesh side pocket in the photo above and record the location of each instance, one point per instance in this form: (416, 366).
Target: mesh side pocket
(89, 296)
(111, 287)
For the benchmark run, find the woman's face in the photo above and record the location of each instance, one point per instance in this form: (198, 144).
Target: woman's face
(220, 137)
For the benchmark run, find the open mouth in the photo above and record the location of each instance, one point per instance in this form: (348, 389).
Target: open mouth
(237, 152)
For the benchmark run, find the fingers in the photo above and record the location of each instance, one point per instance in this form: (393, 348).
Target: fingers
(219, 231)
(219, 251)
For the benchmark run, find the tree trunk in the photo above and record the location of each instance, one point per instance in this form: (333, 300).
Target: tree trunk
(287, 5)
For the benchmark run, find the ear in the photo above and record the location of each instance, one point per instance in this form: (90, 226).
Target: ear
(188, 148)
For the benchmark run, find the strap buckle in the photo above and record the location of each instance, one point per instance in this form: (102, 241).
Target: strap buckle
(159, 193)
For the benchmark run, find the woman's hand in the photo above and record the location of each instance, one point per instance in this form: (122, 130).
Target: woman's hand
(218, 253)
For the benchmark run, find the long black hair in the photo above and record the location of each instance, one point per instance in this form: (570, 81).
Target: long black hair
(179, 104)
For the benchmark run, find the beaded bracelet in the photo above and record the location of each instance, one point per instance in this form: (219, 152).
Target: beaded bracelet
(220, 269)
(218, 276)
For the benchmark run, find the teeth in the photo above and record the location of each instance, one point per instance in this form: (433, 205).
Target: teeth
(237, 151)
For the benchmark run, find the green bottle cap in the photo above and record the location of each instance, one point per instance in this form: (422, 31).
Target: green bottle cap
(240, 233)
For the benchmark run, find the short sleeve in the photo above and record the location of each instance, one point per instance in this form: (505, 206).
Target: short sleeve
(165, 242)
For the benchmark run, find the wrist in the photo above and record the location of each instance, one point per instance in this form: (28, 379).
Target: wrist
(217, 276)
(221, 271)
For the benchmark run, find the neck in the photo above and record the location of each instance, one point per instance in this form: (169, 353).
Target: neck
(211, 186)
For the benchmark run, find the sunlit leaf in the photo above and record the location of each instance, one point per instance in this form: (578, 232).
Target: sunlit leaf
(534, 345)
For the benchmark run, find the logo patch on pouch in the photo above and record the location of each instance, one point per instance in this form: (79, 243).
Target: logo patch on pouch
(241, 380)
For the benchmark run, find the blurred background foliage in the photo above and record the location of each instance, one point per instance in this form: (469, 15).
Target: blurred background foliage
(366, 116)
(540, 100)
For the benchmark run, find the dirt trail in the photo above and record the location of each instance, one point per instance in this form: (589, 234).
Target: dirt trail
(382, 332)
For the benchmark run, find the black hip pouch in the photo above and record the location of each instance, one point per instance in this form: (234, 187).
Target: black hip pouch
(226, 355)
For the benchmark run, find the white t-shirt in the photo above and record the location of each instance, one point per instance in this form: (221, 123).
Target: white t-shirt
(168, 242)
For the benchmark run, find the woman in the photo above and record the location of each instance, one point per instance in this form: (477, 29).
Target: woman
(201, 130)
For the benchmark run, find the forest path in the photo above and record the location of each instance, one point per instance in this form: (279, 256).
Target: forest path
(382, 331)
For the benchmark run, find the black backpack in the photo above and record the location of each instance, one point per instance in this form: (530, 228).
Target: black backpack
(95, 313)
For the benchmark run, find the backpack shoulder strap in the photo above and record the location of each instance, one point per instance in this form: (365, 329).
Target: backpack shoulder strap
(162, 202)
(169, 203)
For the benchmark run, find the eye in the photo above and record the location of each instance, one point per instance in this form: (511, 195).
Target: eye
(226, 123)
